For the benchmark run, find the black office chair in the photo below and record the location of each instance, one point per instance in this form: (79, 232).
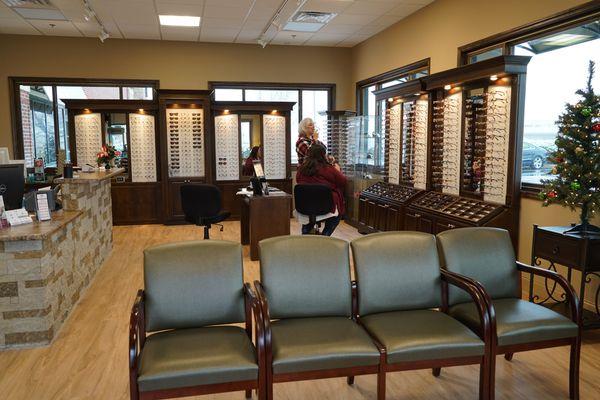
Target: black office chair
(202, 206)
(313, 200)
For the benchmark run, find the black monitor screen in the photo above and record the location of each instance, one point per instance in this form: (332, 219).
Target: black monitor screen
(12, 185)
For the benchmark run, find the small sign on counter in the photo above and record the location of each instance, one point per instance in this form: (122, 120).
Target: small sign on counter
(42, 207)
(18, 217)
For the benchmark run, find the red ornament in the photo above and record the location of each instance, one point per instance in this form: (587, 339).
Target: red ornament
(559, 159)
(552, 194)
(596, 128)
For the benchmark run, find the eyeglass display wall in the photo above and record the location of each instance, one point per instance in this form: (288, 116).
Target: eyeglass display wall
(143, 147)
(342, 131)
(129, 126)
(88, 137)
(474, 142)
(238, 128)
(185, 142)
(185, 127)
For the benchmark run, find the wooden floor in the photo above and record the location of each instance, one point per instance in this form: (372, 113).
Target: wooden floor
(88, 359)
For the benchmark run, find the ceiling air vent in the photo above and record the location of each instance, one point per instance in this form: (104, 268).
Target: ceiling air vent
(313, 17)
(28, 3)
(308, 21)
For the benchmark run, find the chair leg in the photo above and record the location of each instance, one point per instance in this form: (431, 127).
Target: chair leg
(490, 378)
(206, 228)
(249, 394)
(381, 385)
(508, 356)
(350, 380)
(574, 369)
(436, 372)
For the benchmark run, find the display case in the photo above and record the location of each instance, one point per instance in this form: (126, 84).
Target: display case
(131, 127)
(405, 132)
(476, 147)
(185, 143)
(242, 132)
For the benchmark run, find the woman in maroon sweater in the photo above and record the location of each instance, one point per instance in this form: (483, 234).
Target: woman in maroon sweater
(316, 169)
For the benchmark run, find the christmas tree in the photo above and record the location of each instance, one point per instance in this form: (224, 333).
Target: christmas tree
(577, 159)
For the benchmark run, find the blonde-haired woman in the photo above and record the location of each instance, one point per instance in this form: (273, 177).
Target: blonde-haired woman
(306, 130)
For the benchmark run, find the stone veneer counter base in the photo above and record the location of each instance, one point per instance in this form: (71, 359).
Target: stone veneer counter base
(46, 266)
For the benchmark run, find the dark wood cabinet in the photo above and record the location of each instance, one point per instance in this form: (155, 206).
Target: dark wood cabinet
(136, 203)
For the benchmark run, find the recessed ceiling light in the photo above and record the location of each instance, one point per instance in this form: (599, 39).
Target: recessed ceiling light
(179, 20)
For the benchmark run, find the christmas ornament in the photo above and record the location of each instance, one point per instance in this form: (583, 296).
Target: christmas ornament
(596, 128)
(554, 171)
(552, 194)
(575, 186)
(586, 112)
(578, 150)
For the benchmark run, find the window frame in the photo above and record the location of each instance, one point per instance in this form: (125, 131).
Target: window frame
(299, 87)
(14, 84)
(555, 23)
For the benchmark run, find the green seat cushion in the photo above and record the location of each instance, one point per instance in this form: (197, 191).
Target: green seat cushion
(191, 357)
(519, 321)
(310, 344)
(422, 335)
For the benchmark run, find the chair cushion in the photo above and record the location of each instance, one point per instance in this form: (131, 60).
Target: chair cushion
(519, 321)
(193, 284)
(306, 276)
(308, 344)
(422, 335)
(191, 357)
(396, 271)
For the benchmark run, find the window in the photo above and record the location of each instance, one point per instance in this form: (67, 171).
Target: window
(374, 145)
(312, 100)
(43, 127)
(557, 69)
(561, 47)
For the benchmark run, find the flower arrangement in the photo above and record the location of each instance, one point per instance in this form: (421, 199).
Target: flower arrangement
(106, 155)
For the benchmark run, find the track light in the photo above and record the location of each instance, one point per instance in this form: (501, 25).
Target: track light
(262, 42)
(103, 35)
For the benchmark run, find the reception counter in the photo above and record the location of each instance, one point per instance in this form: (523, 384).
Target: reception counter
(46, 266)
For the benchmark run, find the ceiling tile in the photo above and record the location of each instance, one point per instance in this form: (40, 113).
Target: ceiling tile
(218, 34)
(386, 20)
(339, 28)
(180, 9)
(354, 19)
(225, 12)
(405, 9)
(371, 29)
(326, 6)
(291, 38)
(139, 31)
(325, 39)
(230, 3)
(16, 26)
(255, 24)
(370, 7)
(91, 29)
(353, 40)
(248, 36)
(223, 23)
(61, 28)
(6, 12)
(180, 33)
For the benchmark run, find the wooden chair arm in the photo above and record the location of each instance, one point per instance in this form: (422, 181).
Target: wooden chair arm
(354, 288)
(265, 317)
(481, 299)
(254, 302)
(570, 294)
(137, 337)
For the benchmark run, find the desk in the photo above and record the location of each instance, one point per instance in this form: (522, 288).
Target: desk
(263, 217)
(577, 252)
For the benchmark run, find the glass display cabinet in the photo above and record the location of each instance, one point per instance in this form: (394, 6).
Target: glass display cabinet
(131, 127)
(185, 121)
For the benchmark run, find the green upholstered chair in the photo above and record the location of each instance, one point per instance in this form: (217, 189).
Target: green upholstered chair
(179, 342)
(486, 255)
(306, 298)
(399, 285)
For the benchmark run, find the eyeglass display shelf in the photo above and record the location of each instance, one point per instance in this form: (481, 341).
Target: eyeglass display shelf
(471, 211)
(390, 193)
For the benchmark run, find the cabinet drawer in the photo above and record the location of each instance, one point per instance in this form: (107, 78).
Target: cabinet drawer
(559, 249)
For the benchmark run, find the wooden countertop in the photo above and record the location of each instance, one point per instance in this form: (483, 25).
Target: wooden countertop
(97, 175)
(39, 230)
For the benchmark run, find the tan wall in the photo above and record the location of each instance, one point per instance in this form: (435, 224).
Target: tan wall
(437, 31)
(178, 65)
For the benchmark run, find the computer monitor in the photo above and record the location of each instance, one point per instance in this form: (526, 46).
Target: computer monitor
(258, 169)
(12, 185)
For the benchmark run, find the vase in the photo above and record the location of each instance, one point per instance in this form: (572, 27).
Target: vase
(107, 165)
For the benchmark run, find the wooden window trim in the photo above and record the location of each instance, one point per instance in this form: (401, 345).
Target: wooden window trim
(542, 27)
(15, 99)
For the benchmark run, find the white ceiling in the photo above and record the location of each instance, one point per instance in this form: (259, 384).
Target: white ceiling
(225, 21)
